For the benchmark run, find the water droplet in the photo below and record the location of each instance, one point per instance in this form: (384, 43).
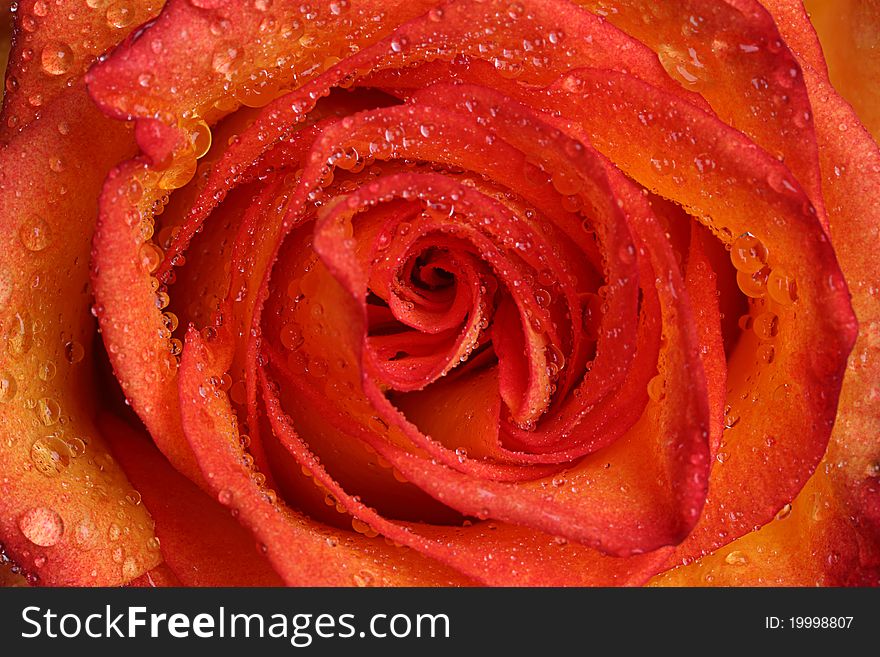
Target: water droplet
(378, 424)
(784, 512)
(41, 526)
(766, 326)
(56, 58)
(8, 386)
(291, 336)
(731, 418)
(736, 558)
(227, 59)
(566, 183)
(682, 67)
(151, 256)
(200, 138)
(766, 353)
(35, 234)
(782, 393)
(130, 568)
(119, 15)
(50, 455)
(179, 172)
(49, 411)
(74, 352)
(781, 287)
(753, 285)
(657, 388)
(77, 446)
(704, 163)
(543, 297)
(363, 578)
(363, 528)
(85, 534)
(162, 300)
(748, 254)
(47, 371)
(225, 497)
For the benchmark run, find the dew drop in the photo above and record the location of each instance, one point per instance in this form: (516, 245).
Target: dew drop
(170, 321)
(35, 234)
(657, 388)
(47, 371)
(130, 568)
(291, 336)
(200, 138)
(74, 352)
(56, 58)
(179, 172)
(748, 254)
(766, 326)
(41, 526)
(766, 353)
(119, 15)
(8, 386)
(753, 285)
(85, 534)
(49, 411)
(543, 298)
(363, 528)
(77, 446)
(566, 183)
(151, 256)
(50, 455)
(784, 512)
(736, 558)
(226, 59)
(363, 579)
(781, 287)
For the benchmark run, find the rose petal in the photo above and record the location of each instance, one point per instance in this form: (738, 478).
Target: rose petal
(850, 162)
(200, 542)
(55, 464)
(809, 365)
(301, 551)
(55, 43)
(732, 54)
(847, 31)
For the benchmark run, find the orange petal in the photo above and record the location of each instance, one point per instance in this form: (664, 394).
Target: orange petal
(62, 494)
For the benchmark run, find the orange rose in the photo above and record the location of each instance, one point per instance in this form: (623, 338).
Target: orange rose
(477, 292)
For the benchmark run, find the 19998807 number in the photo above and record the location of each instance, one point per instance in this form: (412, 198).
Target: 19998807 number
(820, 622)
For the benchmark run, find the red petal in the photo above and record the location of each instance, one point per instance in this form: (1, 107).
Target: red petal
(200, 542)
(302, 551)
(55, 43)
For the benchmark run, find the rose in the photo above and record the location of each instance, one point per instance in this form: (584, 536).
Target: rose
(294, 297)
